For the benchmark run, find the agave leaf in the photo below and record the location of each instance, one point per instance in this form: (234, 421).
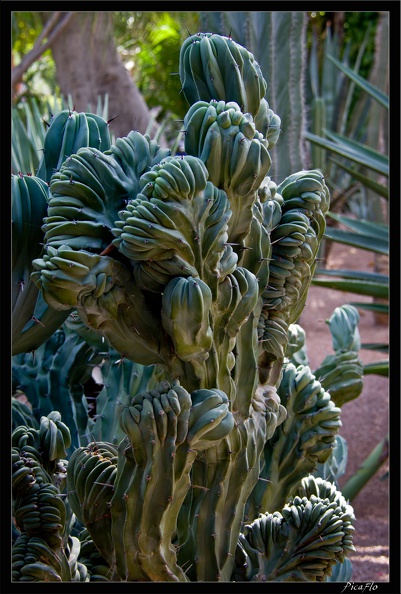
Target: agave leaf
(24, 154)
(373, 91)
(377, 368)
(375, 346)
(375, 307)
(365, 242)
(366, 181)
(353, 154)
(355, 274)
(367, 469)
(354, 286)
(362, 226)
(358, 146)
(35, 125)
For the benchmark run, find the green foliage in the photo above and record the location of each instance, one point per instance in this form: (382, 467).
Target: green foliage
(28, 137)
(39, 79)
(25, 27)
(347, 131)
(378, 455)
(350, 38)
(364, 234)
(159, 44)
(149, 43)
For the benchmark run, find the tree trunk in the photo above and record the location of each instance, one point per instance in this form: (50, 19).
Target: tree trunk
(88, 65)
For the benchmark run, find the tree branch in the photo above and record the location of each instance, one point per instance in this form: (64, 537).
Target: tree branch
(51, 30)
(48, 26)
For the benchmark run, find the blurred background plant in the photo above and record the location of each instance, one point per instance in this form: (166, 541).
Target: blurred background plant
(350, 147)
(123, 55)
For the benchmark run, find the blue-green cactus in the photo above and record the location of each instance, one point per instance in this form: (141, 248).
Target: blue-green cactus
(195, 265)
(34, 320)
(42, 550)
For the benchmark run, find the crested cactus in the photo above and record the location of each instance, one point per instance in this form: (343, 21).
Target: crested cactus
(196, 265)
(69, 131)
(55, 378)
(41, 553)
(34, 320)
(278, 41)
(312, 532)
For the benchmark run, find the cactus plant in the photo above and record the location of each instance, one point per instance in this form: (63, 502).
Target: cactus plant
(277, 40)
(56, 378)
(41, 551)
(34, 320)
(197, 265)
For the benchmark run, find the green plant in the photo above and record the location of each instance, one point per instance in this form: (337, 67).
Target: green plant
(196, 265)
(33, 320)
(335, 112)
(364, 234)
(59, 377)
(41, 551)
(342, 375)
(29, 127)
